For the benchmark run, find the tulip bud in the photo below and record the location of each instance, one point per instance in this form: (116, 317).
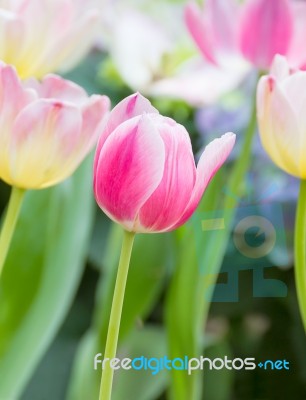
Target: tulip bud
(47, 128)
(145, 176)
(281, 117)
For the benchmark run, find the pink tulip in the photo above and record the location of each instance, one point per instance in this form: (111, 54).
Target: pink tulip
(47, 128)
(43, 36)
(145, 176)
(255, 30)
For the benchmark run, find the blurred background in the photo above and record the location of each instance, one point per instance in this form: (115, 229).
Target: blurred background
(195, 291)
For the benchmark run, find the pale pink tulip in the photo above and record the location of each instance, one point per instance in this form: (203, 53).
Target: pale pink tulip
(47, 128)
(42, 36)
(281, 111)
(255, 30)
(145, 176)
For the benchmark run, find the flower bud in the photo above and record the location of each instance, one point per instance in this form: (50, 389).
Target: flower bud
(145, 176)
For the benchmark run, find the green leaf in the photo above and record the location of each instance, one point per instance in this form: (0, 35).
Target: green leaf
(41, 275)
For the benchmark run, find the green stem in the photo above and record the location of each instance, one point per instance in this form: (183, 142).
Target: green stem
(115, 317)
(300, 251)
(9, 224)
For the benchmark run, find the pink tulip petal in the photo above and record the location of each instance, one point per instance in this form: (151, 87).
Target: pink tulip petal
(94, 119)
(297, 54)
(58, 13)
(211, 160)
(199, 30)
(44, 139)
(130, 107)
(60, 38)
(55, 87)
(11, 37)
(34, 40)
(291, 87)
(220, 16)
(129, 169)
(13, 97)
(276, 117)
(266, 30)
(280, 68)
(166, 205)
(69, 48)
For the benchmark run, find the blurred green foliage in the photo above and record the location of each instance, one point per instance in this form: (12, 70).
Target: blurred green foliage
(41, 275)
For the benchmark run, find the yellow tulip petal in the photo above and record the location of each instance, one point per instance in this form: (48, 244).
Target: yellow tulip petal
(278, 126)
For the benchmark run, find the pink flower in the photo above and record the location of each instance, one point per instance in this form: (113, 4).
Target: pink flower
(256, 30)
(47, 128)
(42, 36)
(145, 176)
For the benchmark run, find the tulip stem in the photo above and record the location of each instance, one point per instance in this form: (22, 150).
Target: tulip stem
(9, 223)
(115, 316)
(300, 251)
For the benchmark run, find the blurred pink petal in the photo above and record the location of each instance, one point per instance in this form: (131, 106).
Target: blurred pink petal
(47, 128)
(44, 133)
(297, 52)
(41, 36)
(12, 32)
(73, 44)
(197, 24)
(220, 15)
(13, 96)
(54, 87)
(281, 108)
(266, 30)
(94, 113)
(279, 69)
